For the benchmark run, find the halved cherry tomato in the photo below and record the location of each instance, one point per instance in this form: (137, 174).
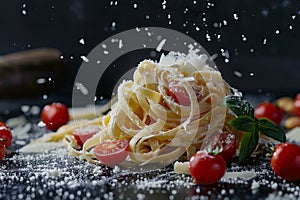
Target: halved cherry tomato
(2, 151)
(5, 135)
(269, 111)
(285, 161)
(179, 94)
(227, 143)
(55, 115)
(207, 169)
(82, 134)
(112, 152)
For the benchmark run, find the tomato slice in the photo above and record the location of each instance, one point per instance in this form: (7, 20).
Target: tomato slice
(112, 152)
(82, 134)
(179, 94)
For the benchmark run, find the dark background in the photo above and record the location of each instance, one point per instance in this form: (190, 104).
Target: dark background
(260, 39)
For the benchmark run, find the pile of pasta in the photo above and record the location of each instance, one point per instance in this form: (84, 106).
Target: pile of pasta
(159, 130)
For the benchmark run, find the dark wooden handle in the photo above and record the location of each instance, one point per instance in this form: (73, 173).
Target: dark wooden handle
(31, 72)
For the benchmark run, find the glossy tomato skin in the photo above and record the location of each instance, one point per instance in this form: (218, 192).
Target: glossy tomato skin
(82, 134)
(285, 161)
(269, 111)
(207, 169)
(55, 115)
(227, 142)
(112, 152)
(5, 134)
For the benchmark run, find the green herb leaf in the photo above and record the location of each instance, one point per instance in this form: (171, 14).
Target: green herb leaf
(243, 123)
(248, 145)
(271, 130)
(239, 106)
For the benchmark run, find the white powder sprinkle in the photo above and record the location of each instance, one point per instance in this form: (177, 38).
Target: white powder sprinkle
(160, 45)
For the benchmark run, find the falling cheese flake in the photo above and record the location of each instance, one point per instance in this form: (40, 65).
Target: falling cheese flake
(81, 88)
(164, 4)
(277, 31)
(293, 17)
(235, 16)
(238, 74)
(81, 41)
(85, 59)
(120, 44)
(24, 12)
(264, 41)
(135, 5)
(160, 45)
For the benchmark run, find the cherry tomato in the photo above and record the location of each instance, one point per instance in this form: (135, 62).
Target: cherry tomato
(5, 135)
(2, 151)
(269, 111)
(82, 134)
(112, 152)
(227, 142)
(297, 107)
(55, 115)
(207, 169)
(180, 95)
(285, 161)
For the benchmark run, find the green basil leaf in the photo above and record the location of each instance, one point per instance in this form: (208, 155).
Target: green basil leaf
(239, 106)
(243, 123)
(271, 130)
(248, 145)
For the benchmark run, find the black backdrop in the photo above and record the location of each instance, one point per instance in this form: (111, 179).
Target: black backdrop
(261, 37)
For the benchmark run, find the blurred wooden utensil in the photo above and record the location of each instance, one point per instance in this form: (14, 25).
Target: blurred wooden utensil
(31, 72)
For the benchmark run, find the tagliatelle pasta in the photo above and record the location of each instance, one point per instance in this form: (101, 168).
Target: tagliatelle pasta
(159, 128)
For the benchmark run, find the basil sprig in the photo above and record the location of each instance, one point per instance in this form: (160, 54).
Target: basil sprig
(253, 127)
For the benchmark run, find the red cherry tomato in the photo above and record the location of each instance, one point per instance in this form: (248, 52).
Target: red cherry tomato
(297, 107)
(227, 142)
(112, 152)
(285, 161)
(2, 151)
(5, 135)
(269, 111)
(82, 134)
(55, 115)
(178, 93)
(207, 169)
